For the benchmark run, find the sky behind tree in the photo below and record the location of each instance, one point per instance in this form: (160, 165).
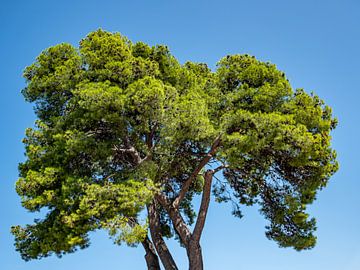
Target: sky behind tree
(315, 43)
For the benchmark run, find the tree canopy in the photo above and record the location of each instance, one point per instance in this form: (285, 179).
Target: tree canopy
(126, 136)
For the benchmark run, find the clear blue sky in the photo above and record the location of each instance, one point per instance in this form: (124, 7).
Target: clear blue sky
(316, 43)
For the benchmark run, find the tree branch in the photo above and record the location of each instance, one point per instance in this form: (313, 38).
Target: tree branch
(201, 165)
(132, 152)
(160, 245)
(204, 206)
(220, 168)
(152, 260)
(176, 218)
(137, 160)
(150, 136)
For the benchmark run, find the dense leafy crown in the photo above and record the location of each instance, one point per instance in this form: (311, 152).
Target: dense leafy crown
(97, 103)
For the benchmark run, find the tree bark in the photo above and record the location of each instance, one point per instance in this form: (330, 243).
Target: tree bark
(152, 260)
(203, 162)
(176, 218)
(193, 248)
(204, 206)
(191, 240)
(194, 255)
(160, 245)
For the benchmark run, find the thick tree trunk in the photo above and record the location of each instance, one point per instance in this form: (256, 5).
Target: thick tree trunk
(152, 260)
(195, 256)
(160, 245)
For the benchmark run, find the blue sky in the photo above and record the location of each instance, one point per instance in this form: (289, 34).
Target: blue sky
(316, 43)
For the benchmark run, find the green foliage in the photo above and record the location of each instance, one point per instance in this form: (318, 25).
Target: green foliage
(277, 144)
(118, 121)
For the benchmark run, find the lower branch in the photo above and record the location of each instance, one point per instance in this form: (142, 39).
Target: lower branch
(191, 240)
(194, 249)
(176, 218)
(204, 206)
(152, 260)
(202, 164)
(160, 245)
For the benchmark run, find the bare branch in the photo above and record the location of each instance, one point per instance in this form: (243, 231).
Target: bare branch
(220, 168)
(176, 218)
(134, 154)
(163, 200)
(160, 245)
(201, 165)
(131, 151)
(204, 206)
(151, 258)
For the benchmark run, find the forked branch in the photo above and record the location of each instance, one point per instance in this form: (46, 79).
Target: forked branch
(200, 166)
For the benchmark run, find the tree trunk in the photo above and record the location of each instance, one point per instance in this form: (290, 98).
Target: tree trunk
(193, 248)
(190, 240)
(160, 245)
(195, 255)
(152, 260)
